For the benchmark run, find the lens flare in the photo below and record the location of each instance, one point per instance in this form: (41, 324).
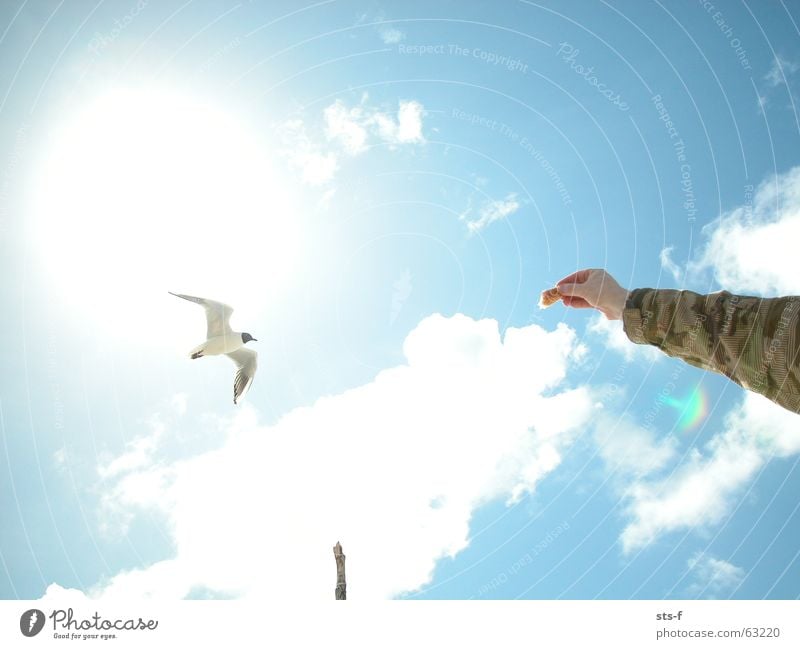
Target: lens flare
(693, 409)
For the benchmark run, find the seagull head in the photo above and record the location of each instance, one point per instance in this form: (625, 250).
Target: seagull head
(246, 338)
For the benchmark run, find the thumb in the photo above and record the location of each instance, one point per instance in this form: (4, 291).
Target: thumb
(570, 289)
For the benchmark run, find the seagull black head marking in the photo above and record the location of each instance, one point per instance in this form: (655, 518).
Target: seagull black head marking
(246, 338)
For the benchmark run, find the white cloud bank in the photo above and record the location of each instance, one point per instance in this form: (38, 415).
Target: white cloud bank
(393, 469)
(751, 249)
(704, 488)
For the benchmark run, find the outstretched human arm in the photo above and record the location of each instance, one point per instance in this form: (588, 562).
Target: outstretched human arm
(753, 341)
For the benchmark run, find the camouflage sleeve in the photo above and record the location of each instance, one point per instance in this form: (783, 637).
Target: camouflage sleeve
(753, 341)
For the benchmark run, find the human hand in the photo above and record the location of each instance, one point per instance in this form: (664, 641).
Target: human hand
(594, 288)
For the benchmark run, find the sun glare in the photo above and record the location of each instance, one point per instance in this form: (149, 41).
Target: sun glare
(147, 191)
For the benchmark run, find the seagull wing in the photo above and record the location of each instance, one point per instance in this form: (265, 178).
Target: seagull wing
(217, 314)
(245, 360)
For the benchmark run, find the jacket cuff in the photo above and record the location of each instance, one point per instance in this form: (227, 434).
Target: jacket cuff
(634, 320)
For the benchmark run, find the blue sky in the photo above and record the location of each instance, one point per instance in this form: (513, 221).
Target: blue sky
(381, 190)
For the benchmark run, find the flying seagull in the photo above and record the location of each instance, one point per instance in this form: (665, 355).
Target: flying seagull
(223, 340)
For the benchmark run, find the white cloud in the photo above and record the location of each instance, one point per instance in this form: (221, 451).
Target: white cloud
(316, 167)
(63, 595)
(491, 211)
(752, 249)
(138, 453)
(780, 68)
(392, 35)
(393, 469)
(406, 128)
(614, 338)
(348, 132)
(713, 578)
(629, 449)
(580, 353)
(409, 124)
(702, 491)
(779, 74)
(667, 264)
(132, 480)
(344, 125)
(170, 579)
(351, 128)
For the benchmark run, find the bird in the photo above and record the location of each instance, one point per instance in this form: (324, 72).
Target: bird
(221, 339)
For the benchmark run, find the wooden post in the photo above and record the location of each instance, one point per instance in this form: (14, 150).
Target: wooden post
(341, 582)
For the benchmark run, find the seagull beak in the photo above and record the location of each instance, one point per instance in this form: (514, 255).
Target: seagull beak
(255, 340)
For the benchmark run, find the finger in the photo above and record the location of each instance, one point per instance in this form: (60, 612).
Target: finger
(576, 302)
(578, 277)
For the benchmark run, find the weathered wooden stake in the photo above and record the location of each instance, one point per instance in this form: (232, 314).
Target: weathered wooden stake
(341, 582)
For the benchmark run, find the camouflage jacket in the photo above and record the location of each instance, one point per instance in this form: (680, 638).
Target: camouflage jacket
(753, 341)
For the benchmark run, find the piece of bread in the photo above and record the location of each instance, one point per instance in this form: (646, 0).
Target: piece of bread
(549, 297)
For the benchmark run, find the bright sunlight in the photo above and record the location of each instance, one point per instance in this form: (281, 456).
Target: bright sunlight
(145, 191)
